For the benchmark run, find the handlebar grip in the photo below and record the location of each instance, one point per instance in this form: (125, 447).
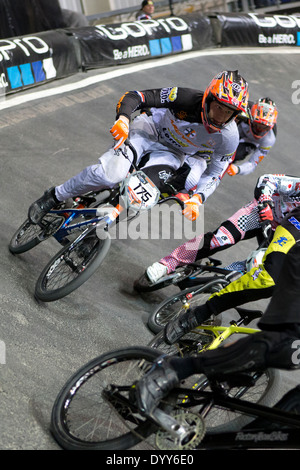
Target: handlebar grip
(133, 150)
(172, 198)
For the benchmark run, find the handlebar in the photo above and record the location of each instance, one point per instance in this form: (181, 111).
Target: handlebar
(172, 198)
(133, 165)
(132, 148)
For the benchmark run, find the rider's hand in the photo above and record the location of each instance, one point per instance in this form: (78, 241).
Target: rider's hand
(265, 213)
(233, 170)
(120, 131)
(191, 210)
(183, 196)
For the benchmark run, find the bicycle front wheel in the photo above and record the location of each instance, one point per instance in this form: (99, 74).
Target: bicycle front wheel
(192, 343)
(178, 303)
(29, 235)
(72, 266)
(93, 411)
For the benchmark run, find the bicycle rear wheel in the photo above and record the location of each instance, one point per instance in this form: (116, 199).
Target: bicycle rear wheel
(264, 392)
(72, 266)
(87, 416)
(29, 235)
(175, 305)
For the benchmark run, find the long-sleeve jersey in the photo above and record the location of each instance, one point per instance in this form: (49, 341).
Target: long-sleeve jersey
(176, 114)
(283, 190)
(262, 147)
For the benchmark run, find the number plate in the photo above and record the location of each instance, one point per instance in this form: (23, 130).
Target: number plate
(139, 192)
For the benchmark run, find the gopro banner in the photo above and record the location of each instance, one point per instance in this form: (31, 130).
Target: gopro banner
(32, 60)
(27, 61)
(123, 43)
(257, 30)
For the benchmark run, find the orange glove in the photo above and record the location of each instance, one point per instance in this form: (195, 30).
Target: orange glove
(183, 196)
(233, 170)
(192, 205)
(120, 131)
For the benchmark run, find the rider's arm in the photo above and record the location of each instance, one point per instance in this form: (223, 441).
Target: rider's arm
(248, 167)
(218, 164)
(175, 98)
(262, 150)
(186, 102)
(212, 176)
(257, 156)
(265, 187)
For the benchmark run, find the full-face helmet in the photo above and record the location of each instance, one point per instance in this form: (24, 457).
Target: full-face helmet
(263, 117)
(230, 89)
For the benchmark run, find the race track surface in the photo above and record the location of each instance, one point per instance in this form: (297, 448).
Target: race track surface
(48, 138)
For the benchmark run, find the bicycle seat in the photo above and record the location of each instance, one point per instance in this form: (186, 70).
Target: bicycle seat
(216, 262)
(248, 315)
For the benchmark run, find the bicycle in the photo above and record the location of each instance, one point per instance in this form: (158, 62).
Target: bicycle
(96, 410)
(198, 287)
(82, 227)
(202, 288)
(211, 335)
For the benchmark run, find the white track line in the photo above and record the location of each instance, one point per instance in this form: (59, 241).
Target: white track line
(9, 102)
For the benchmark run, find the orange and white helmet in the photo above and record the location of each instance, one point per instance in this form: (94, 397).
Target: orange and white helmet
(263, 117)
(230, 89)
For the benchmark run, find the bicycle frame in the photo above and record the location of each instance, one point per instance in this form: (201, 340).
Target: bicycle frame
(71, 215)
(222, 333)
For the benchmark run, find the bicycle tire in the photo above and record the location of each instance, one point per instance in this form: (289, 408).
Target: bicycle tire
(173, 306)
(105, 429)
(47, 287)
(143, 284)
(30, 235)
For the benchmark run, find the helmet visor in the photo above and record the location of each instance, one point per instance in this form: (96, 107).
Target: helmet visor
(260, 129)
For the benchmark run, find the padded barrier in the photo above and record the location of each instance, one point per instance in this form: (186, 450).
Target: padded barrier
(30, 60)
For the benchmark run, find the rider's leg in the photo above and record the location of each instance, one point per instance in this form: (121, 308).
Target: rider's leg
(242, 225)
(111, 169)
(254, 352)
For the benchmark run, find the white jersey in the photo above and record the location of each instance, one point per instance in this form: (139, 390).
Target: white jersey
(263, 146)
(208, 154)
(284, 190)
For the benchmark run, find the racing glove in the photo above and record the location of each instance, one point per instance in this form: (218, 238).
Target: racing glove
(265, 212)
(233, 170)
(191, 210)
(120, 131)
